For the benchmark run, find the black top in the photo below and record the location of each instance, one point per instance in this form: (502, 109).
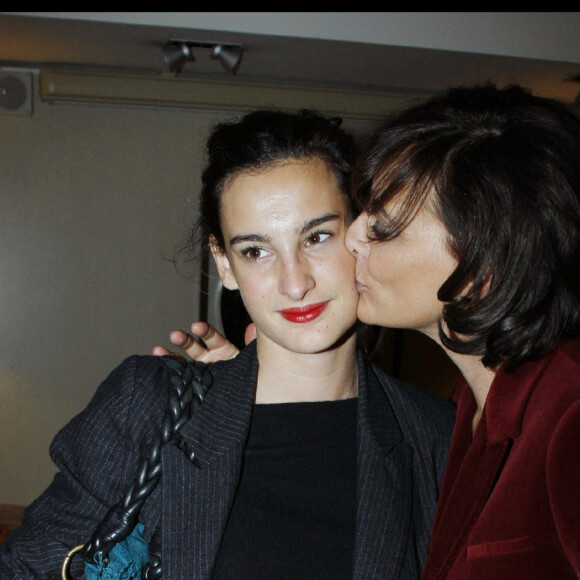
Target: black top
(294, 514)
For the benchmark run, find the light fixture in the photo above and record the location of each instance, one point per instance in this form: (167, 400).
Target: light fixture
(178, 52)
(176, 55)
(229, 55)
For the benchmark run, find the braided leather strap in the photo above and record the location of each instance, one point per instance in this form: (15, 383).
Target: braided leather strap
(152, 570)
(189, 382)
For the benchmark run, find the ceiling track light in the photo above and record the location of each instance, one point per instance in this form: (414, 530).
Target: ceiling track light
(179, 52)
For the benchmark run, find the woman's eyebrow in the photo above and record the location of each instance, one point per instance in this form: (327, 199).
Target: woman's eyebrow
(315, 222)
(310, 224)
(242, 238)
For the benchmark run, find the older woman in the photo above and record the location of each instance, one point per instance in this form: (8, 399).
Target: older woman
(471, 235)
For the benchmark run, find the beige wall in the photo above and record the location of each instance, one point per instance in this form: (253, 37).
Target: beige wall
(94, 199)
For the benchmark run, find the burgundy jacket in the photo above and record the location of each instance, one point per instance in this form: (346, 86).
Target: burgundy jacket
(510, 501)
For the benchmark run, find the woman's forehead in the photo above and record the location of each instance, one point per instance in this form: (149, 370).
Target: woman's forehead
(285, 194)
(311, 173)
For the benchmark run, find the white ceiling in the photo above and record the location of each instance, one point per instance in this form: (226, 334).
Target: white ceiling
(415, 52)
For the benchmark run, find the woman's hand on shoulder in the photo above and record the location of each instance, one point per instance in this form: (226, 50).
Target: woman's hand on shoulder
(204, 343)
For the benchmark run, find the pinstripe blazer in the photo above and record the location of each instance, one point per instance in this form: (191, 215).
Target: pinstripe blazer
(403, 437)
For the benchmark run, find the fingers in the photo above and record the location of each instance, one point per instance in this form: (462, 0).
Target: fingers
(192, 345)
(209, 335)
(160, 351)
(204, 331)
(219, 347)
(204, 344)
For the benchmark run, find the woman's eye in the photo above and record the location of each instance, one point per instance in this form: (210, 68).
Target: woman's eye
(381, 232)
(317, 238)
(254, 253)
(378, 231)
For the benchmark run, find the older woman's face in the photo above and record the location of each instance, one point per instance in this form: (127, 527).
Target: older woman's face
(398, 280)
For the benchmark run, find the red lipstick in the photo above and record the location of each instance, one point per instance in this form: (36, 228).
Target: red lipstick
(304, 313)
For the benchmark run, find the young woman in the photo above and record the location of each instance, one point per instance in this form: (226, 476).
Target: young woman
(470, 234)
(307, 462)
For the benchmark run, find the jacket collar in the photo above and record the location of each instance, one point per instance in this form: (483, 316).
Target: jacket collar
(508, 398)
(227, 410)
(376, 416)
(384, 492)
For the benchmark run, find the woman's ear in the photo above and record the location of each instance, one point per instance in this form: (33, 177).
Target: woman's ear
(223, 265)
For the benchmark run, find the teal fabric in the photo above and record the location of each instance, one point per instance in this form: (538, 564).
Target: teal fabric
(126, 559)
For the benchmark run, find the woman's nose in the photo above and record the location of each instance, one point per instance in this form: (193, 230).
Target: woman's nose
(356, 239)
(296, 279)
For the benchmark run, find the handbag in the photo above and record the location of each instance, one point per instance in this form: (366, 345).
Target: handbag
(117, 549)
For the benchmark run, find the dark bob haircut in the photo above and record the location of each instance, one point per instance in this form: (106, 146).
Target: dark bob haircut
(262, 139)
(501, 170)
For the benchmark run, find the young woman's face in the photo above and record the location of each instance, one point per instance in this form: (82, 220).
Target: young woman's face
(284, 230)
(398, 280)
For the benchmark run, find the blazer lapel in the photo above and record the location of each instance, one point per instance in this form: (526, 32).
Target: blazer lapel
(384, 489)
(197, 497)
(465, 496)
(473, 470)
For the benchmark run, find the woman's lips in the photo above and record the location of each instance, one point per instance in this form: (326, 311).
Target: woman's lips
(360, 286)
(304, 313)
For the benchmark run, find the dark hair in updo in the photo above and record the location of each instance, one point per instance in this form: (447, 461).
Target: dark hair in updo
(262, 139)
(501, 169)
